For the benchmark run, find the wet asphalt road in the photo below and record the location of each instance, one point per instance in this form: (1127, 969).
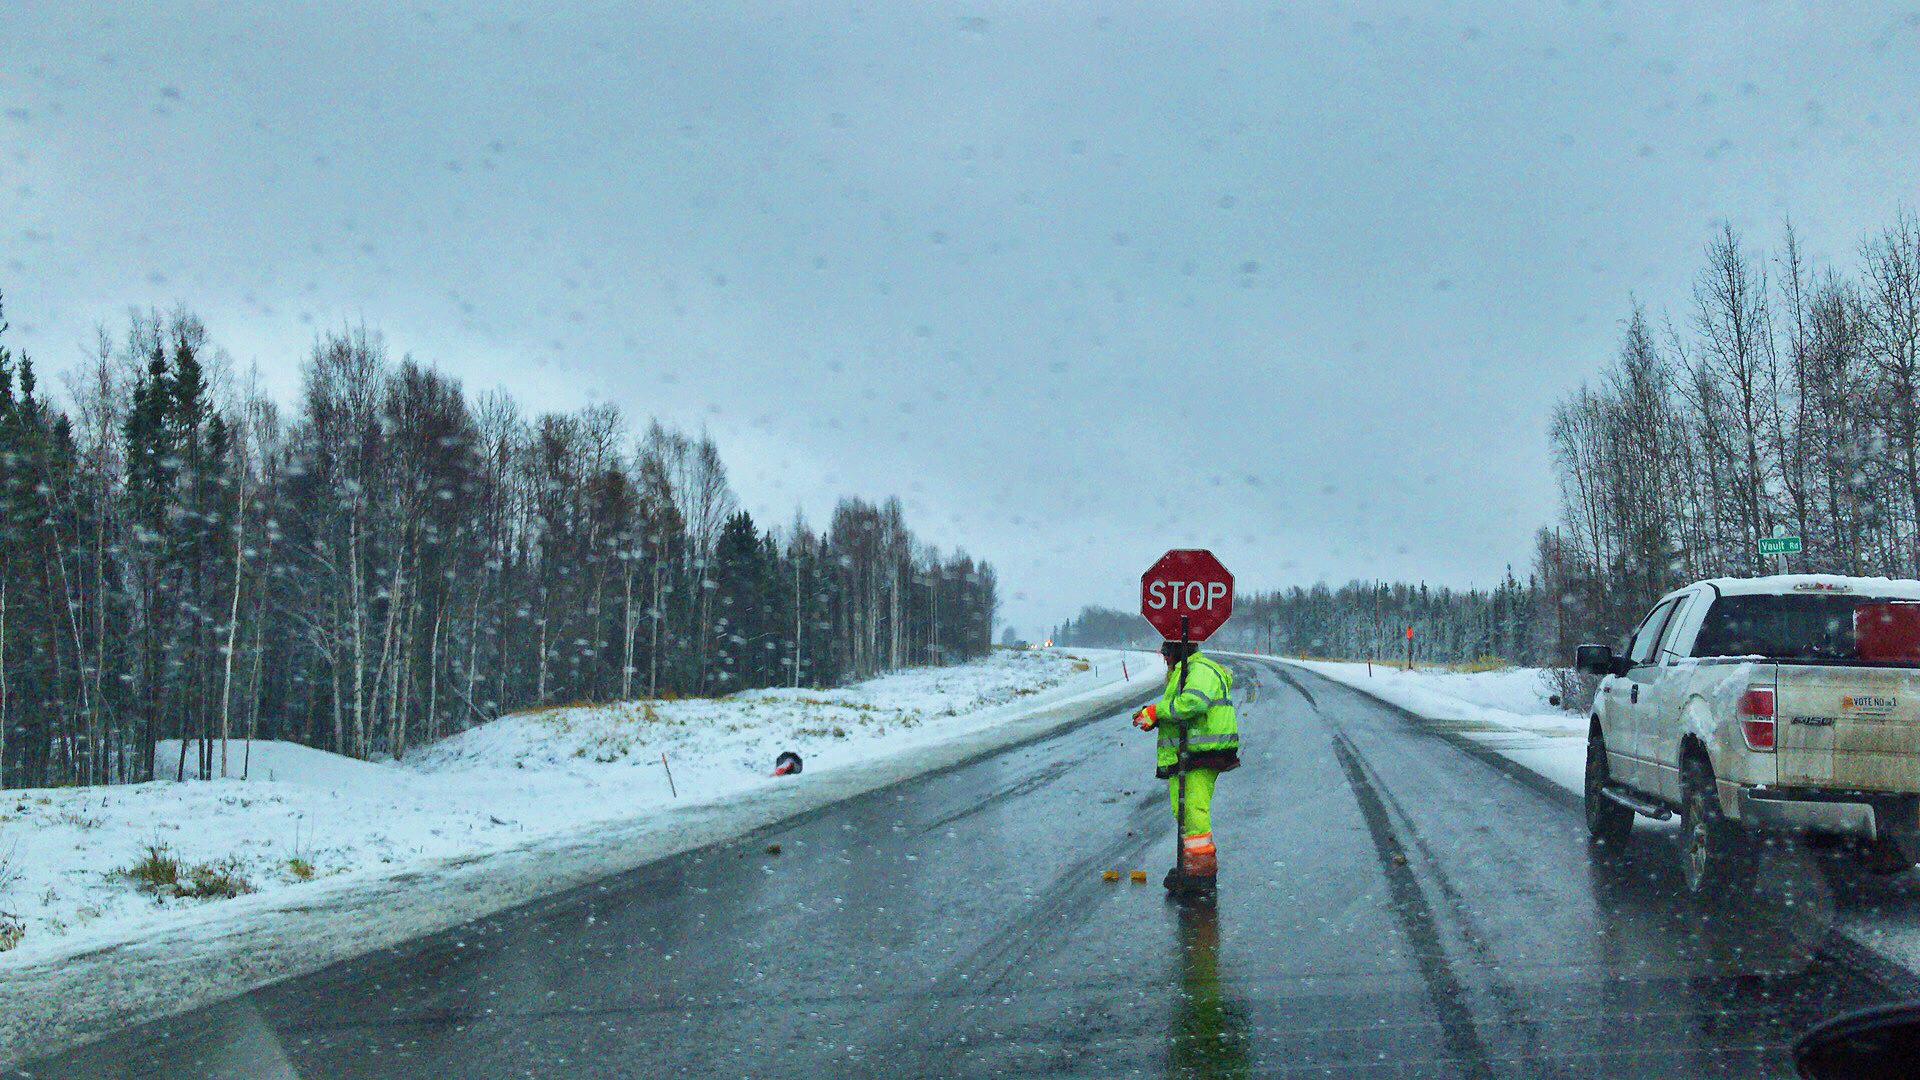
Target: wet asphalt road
(1392, 903)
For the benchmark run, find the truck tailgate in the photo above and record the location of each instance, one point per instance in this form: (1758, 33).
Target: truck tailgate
(1854, 728)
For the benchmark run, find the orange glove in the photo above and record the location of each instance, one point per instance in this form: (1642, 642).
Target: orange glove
(1145, 719)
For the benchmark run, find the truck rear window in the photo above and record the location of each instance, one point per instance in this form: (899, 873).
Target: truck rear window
(1781, 627)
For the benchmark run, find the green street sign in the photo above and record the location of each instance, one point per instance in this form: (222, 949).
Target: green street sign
(1779, 545)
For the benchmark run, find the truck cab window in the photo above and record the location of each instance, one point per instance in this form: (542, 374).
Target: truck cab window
(1641, 650)
(1798, 627)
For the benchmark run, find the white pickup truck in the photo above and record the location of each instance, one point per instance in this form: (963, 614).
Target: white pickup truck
(1762, 706)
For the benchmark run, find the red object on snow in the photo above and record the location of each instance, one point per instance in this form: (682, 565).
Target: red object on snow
(1186, 586)
(786, 764)
(1887, 632)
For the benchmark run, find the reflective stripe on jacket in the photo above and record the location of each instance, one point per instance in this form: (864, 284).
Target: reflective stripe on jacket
(1205, 707)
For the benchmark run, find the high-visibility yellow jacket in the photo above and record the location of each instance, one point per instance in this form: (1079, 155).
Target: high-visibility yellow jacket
(1203, 705)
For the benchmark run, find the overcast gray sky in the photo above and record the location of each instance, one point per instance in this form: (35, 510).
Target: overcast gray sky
(1082, 282)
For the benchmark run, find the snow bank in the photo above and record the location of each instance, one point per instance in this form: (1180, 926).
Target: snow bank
(1519, 697)
(1508, 711)
(348, 856)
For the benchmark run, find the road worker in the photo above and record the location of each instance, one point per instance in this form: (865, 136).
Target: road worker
(1196, 699)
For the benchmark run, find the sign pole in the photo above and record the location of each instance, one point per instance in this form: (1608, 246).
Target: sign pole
(1180, 765)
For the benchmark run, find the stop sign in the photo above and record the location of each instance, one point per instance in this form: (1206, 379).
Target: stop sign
(1186, 585)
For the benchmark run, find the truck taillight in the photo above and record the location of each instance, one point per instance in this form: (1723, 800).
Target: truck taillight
(1756, 717)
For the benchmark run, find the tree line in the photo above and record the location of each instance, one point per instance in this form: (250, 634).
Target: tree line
(393, 560)
(1358, 620)
(1786, 400)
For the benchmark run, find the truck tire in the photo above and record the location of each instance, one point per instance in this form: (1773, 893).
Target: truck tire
(1608, 823)
(1716, 855)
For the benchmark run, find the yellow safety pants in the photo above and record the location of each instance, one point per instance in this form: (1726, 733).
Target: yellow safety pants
(1199, 801)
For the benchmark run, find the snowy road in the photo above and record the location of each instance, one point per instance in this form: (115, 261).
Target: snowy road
(1394, 901)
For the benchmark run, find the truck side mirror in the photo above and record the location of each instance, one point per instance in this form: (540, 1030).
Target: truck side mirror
(1593, 660)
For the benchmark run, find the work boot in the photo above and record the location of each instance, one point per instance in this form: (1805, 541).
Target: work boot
(1198, 857)
(1199, 863)
(1183, 886)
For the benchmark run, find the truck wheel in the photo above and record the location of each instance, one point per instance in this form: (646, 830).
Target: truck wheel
(1608, 823)
(1716, 857)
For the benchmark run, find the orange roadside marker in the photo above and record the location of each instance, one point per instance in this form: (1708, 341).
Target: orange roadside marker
(1109, 875)
(1139, 877)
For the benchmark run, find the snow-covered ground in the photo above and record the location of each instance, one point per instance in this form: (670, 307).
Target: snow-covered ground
(305, 813)
(1509, 712)
(1518, 696)
(498, 815)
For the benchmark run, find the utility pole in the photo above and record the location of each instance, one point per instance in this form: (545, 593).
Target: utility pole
(796, 614)
(1373, 647)
(1559, 600)
(933, 617)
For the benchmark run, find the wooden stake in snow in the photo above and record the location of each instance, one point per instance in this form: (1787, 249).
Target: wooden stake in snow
(669, 768)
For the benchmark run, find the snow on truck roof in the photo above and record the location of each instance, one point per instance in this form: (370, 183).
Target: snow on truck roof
(1789, 584)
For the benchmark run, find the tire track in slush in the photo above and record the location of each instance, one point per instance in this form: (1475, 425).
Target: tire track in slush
(1065, 902)
(1466, 923)
(1417, 920)
(1287, 677)
(1018, 789)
